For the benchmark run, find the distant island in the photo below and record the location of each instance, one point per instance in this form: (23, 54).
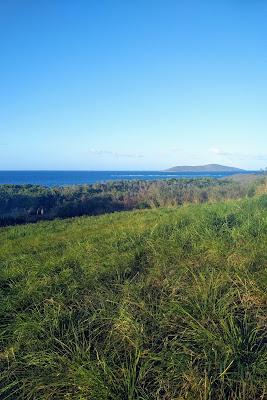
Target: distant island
(205, 168)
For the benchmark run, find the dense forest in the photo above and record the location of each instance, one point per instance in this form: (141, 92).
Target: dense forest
(30, 203)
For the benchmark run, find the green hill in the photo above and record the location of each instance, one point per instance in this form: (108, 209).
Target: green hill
(153, 304)
(205, 168)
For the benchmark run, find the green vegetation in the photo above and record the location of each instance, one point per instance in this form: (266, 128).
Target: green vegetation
(151, 304)
(30, 203)
(205, 168)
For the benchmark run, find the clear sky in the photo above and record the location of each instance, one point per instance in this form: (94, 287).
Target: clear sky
(132, 84)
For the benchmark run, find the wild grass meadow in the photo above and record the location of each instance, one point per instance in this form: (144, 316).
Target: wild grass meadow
(166, 304)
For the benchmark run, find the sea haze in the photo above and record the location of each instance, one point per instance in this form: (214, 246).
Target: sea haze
(63, 178)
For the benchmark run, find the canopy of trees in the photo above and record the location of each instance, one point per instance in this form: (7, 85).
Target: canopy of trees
(30, 203)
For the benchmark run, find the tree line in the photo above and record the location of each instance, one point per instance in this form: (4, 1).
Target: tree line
(31, 203)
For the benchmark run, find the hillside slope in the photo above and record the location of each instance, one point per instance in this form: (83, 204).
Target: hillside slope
(204, 168)
(154, 304)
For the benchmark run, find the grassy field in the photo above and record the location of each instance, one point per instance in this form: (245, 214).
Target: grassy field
(156, 304)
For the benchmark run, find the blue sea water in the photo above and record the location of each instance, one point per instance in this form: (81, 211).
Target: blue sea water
(63, 178)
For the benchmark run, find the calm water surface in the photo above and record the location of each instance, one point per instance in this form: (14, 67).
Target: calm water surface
(62, 178)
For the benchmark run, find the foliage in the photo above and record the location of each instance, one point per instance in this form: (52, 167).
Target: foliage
(151, 304)
(30, 203)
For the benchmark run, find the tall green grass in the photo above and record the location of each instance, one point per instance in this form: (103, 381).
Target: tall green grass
(155, 304)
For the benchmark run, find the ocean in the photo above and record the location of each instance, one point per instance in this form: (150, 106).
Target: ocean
(63, 178)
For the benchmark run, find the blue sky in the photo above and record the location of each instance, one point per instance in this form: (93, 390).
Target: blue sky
(140, 84)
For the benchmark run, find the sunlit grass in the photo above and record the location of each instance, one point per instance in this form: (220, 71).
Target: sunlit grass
(154, 304)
